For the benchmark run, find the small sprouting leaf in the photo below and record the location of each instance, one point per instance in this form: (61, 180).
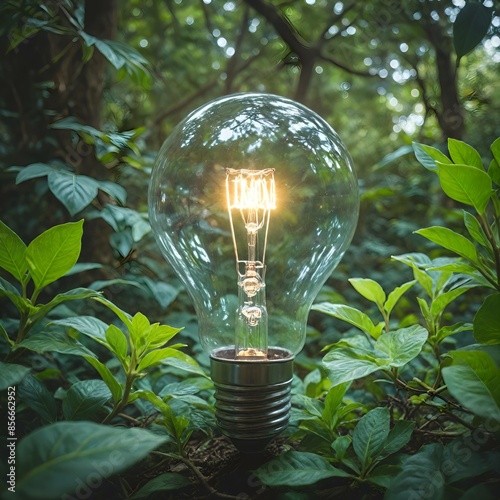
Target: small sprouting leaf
(75, 192)
(117, 342)
(473, 379)
(396, 294)
(451, 241)
(84, 399)
(465, 184)
(295, 468)
(369, 289)
(463, 154)
(487, 321)
(52, 254)
(352, 316)
(470, 27)
(370, 435)
(427, 156)
(12, 253)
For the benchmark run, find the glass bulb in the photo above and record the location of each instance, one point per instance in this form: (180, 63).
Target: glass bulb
(263, 183)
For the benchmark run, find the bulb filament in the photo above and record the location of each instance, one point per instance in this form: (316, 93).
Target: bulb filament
(252, 193)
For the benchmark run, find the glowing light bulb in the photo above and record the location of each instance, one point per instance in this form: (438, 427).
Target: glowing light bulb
(264, 183)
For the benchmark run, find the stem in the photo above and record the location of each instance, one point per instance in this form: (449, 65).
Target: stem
(123, 401)
(496, 249)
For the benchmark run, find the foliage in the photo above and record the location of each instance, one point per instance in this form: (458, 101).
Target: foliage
(404, 401)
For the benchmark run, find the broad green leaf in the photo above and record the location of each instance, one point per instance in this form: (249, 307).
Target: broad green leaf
(114, 386)
(159, 335)
(114, 190)
(75, 294)
(396, 294)
(167, 481)
(427, 156)
(369, 289)
(494, 171)
(350, 315)
(295, 468)
(340, 446)
(487, 321)
(84, 399)
(463, 154)
(442, 300)
(150, 396)
(465, 184)
(398, 436)
(11, 374)
(52, 254)
(476, 231)
(34, 394)
(420, 475)
(117, 342)
(183, 361)
(370, 435)
(89, 326)
(12, 253)
(47, 341)
(124, 317)
(344, 364)
(470, 27)
(403, 345)
(446, 331)
(34, 171)
(473, 380)
(57, 459)
(333, 400)
(451, 241)
(155, 357)
(495, 149)
(75, 192)
(460, 267)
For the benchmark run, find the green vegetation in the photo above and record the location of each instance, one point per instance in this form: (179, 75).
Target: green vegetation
(396, 393)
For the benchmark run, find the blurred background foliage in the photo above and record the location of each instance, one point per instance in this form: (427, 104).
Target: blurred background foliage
(90, 89)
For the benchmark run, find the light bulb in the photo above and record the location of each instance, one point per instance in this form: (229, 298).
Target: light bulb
(253, 200)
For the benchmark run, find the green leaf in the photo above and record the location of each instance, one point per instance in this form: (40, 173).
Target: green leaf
(487, 321)
(344, 364)
(446, 331)
(60, 458)
(350, 315)
(333, 400)
(396, 294)
(494, 172)
(75, 294)
(114, 190)
(53, 341)
(476, 231)
(12, 253)
(52, 254)
(470, 27)
(369, 289)
(451, 241)
(75, 192)
(89, 326)
(155, 357)
(398, 436)
(11, 374)
(427, 156)
(84, 399)
(124, 317)
(34, 171)
(167, 481)
(403, 345)
(462, 153)
(443, 299)
(38, 398)
(370, 435)
(183, 361)
(117, 342)
(420, 475)
(473, 380)
(114, 386)
(295, 468)
(465, 184)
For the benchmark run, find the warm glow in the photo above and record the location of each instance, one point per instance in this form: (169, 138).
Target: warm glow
(252, 189)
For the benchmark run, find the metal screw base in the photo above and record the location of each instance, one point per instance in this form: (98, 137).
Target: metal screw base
(252, 397)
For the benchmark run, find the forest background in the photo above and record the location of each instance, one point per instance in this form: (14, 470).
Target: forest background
(90, 90)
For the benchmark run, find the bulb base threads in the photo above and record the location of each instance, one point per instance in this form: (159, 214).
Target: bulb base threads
(252, 396)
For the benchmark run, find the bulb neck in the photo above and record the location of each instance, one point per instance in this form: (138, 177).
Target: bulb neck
(252, 396)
